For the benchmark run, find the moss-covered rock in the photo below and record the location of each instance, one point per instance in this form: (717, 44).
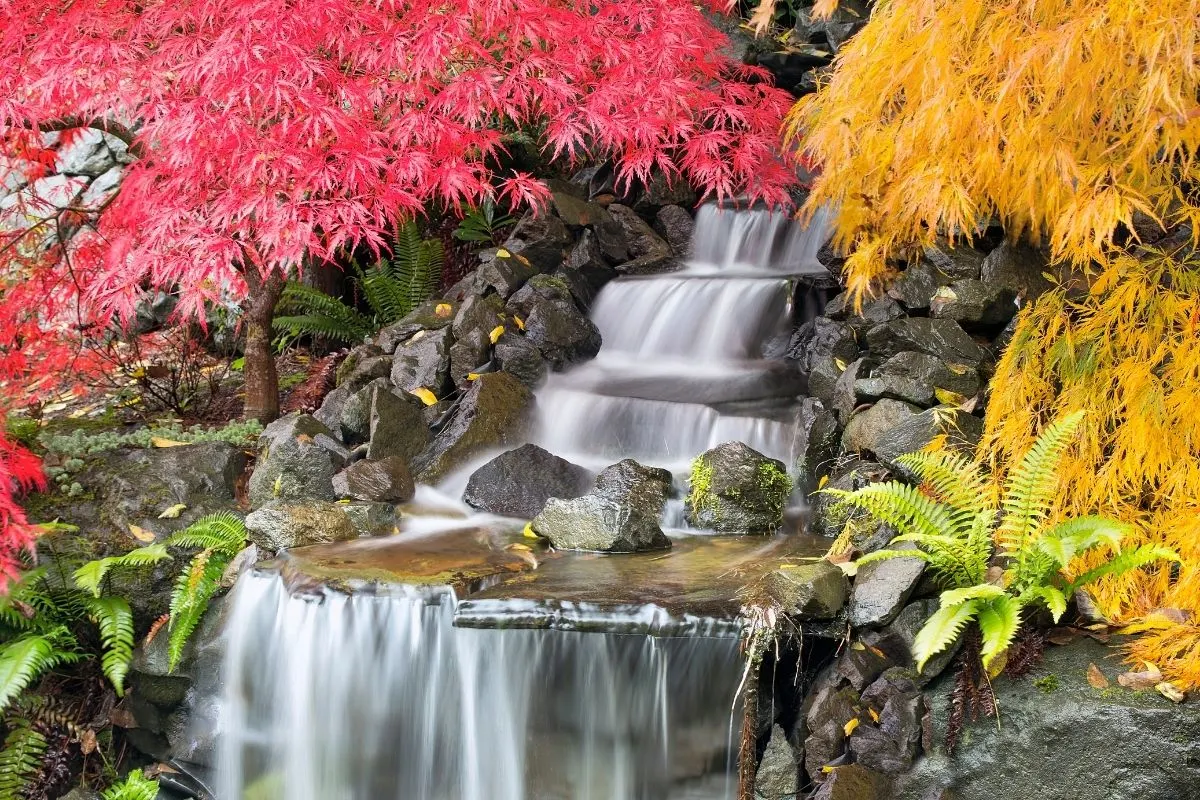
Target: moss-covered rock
(735, 489)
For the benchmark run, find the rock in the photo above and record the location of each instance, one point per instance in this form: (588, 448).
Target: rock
(423, 361)
(354, 424)
(541, 289)
(362, 365)
(867, 428)
(424, 317)
(81, 794)
(973, 302)
(943, 338)
(585, 271)
(397, 427)
(826, 518)
(821, 340)
(541, 239)
(881, 589)
(562, 334)
(519, 482)
(913, 433)
(675, 225)
(861, 664)
(959, 262)
(917, 285)
(387, 480)
(649, 252)
(494, 411)
(816, 448)
(846, 20)
(281, 525)
(1018, 268)
(297, 459)
(829, 709)
(503, 272)
(619, 515)
(573, 210)
(813, 591)
(611, 238)
(916, 378)
(875, 311)
(1092, 744)
(737, 489)
(905, 628)
(332, 408)
(853, 782)
(663, 190)
(519, 357)
(778, 776)
(371, 519)
(845, 389)
(822, 380)
(468, 354)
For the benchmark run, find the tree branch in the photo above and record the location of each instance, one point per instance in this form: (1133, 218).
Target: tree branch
(109, 126)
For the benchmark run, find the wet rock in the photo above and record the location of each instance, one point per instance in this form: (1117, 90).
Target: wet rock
(371, 519)
(822, 340)
(575, 211)
(280, 525)
(869, 427)
(818, 435)
(610, 236)
(822, 380)
(675, 225)
(423, 361)
(424, 317)
(332, 408)
(502, 272)
(737, 489)
(1018, 268)
(875, 311)
(386, 480)
(813, 591)
(973, 302)
(354, 424)
(860, 664)
(828, 712)
(598, 523)
(778, 776)
(493, 412)
(881, 589)
(942, 338)
(297, 459)
(585, 271)
(826, 516)
(519, 357)
(905, 628)
(636, 484)
(649, 253)
(662, 190)
(562, 334)
(519, 482)
(912, 433)
(845, 389)
(541, 289)
(890, 746)
(541, 240)
(916, 377)
(958, 262)
(468, 353)
(363, 365)
(853, 782)
(397, 427)
(917, 285)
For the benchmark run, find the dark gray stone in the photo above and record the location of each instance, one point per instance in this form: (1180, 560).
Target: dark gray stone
(917, 285)
(354, 424)
(1018, 268)
(913, 433)
(943, 338)
(828, 712)
(387, 480)
(425, 317)
(573, 210)
(815, 591)
(958, 262)
(649, 253)
(735, 489)
(675, 225)
(890, 746)
(973, 302)
(562, 334)
(397, 427)
(868, 427)
(853, 782)
(423, 361)
(542, 240)
(332, 407)
(280, 525)
(881, 589)
(821, 340)
(822, 381)
(297, 459)
(778, 776)
(371, 519)
(875, 311)
(916, 378)
(468, 353)
(362, 365)
(905, 627)
(663, 190)
(585, 270)
(827, 517)
(845, 389)
(493, 412)
(636, 484)
(598, 523)
(503, 272)
(541, 289)
(818, 436)
(521, 358)
(519, 482)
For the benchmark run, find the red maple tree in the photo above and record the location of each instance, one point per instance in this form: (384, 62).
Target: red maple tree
(258, 136)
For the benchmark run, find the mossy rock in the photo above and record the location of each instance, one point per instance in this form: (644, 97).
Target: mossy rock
(735, 489)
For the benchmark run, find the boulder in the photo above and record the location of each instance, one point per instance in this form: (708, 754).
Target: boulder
(664, 190)
(827, 517)
(353, 425)
(562, 334)
(423, 361)
(362, 365)
(332, 408)
(958, 262)
(387, 480)
(890, 746)
(974, 303)
(494, 411)
(1019, 268)
(575, 211)
(468, 353)
(281, 525)
(370, 518)
(822, 340)
(585, 271)
(914, 432)
(917, 285)
(620, 515)
(778, 775)
(297, 459)
(429, 316)
(502, 272)
(397, 427)
(649, 253)
(520, 358)
(816, 448)
(868, 428)
(828, 709)
(881, 589)
(675, 225)
(539, 290)
(1062, 739)
(853, 782)
(541, 240)
(917, 378)
(875, 311)
(942, 338)
(737, 489)
(845, 395)
(644, 487)
(905, 627)
(815, 591)
(519, 482)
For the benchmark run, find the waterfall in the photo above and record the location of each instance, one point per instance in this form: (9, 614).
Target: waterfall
(339, 696)
(682, 366)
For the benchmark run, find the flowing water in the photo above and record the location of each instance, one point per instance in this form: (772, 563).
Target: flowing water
(379, 695)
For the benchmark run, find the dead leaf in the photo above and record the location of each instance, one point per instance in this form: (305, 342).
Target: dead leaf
(1095, 677)
(122, 717)
(502, 253)
(874, 715)
(173, 512)
(141, 534)
(528, 531)
(154, 629)
(948, 397)
(1062, 636)
(87, 742)
(1145, 679)
(1170, 691)
(304, 438)
(158, 441)
(442, 310)
(520, 323)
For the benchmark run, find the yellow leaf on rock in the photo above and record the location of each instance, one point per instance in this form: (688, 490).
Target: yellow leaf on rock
(502, 253)
(442, 310)
(472, 376)
(528, 531)
(158, 441)
(874, 715)
(496, 333)
(1170, 691)
(850, 726)
(519, 322)
(141, 534)
(173, 512)
(841, 365)
(948, 397)
(427, 397)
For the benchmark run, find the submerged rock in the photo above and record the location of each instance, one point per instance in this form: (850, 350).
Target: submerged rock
(280, 525)
(737, 489)
(518, 483)
(386, 480)
(297, 459)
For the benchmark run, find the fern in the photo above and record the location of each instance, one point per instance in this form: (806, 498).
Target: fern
(24, 660)
(303, 310)
(115, 620)
(136, 786)
(20, 758)
(999, 620)
(942, 630)
(91, 575)
(223, 532)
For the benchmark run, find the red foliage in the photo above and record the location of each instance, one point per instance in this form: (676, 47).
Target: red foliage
(264, 132)
(20, 471)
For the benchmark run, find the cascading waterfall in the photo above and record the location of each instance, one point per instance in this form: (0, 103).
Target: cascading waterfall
(379, 697)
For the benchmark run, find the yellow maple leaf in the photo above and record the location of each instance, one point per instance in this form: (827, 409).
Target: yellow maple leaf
(427, 397)
(520, 323)
(141, 534)
(850, 726)
(442, 310)
(159, 441)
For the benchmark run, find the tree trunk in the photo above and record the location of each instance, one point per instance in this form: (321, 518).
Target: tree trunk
(262, 381)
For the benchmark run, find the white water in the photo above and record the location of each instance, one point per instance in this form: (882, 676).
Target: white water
(379, 697)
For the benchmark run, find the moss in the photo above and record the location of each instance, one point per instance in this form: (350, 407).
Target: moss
(775, 484)
(701, 495)
(1047, 683)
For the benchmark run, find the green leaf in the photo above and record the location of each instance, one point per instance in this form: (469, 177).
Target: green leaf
(941, 631)
(194, 587)
(982, 591)
(90, 576)
(1054, 599)
(20, 758)
(999, 619)
(1122, 562)
(223, 532)
(115, 620)
(26, 659)
(136, 786)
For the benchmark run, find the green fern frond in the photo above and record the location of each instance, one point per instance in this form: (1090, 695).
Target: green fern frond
(24, 660)
(981, 591)
(303, 310)
(954, 478)
(999, 619)
(899, 505)
(194, 588)
(1031, 487)
(1053, 598)
(1124, 561)
(1073, 537)
(941, 631)
(136, 786)
(223, 532)
(91, 575)
(20, 759)
(383, 293)
(115, 620)
(23, 608)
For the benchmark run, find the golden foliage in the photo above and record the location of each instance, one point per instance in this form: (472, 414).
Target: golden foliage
(1127, 351)
(1058, 118)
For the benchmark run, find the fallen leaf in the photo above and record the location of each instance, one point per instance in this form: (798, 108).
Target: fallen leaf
(841, 365)
(948, 397)
(173, 512)
(850, 726)
(158, 441)
(278, 485)
(442, 310)
(425, 396)
(520, 323)
(1170, 691)
(519, 546)
(472, 376)
(87, 741)
(848, 568)
(154, 629)
(874, 715)
(502, 253)
(141, 534)
(1145, 679)
(1096, 678)
(1062, 635)
(496, 333)
(304, 438)
(522, 259)
(528, 531)
(824, 480)
(122, 717)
